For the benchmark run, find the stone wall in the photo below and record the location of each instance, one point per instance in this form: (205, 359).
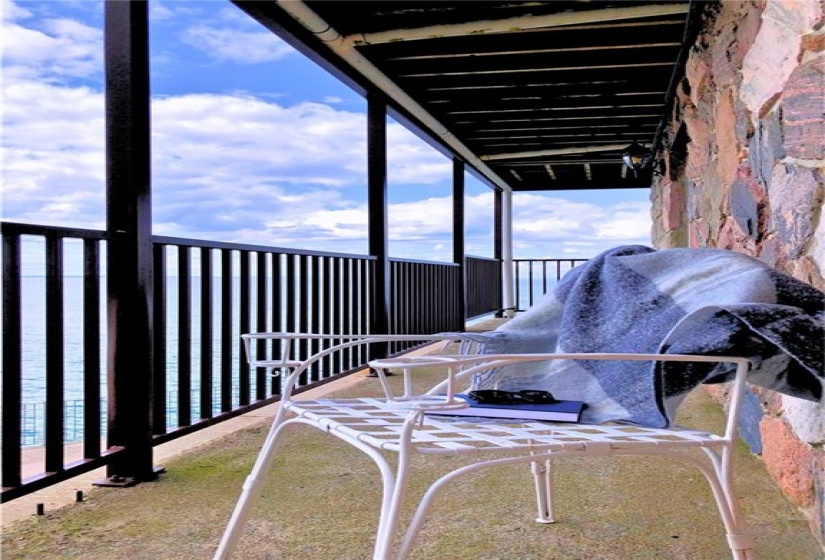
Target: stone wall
(745, 163)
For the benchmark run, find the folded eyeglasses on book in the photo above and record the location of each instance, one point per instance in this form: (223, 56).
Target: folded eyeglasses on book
(497, 396)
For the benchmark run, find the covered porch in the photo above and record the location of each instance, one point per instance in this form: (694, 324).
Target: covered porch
(524, 96)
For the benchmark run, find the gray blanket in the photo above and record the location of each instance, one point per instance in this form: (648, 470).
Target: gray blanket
(679, 301)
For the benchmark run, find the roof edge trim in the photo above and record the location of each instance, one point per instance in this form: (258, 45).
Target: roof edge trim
(523, 23)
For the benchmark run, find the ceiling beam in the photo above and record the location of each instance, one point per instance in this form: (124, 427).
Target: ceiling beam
(556, 152)
(511, 24)
(574, 66)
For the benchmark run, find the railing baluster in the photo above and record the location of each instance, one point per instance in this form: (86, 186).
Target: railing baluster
(261, 301)
(325, 313)
(278, 307)
(12, 361)
(91, 349)
(244, 323)
(206, 334)
(303, 312)
(184, 336)
(159, 325)
(314, 311)
(54, 355)
(346, 297)
(335, 307)
(366, 277)
(227, 337)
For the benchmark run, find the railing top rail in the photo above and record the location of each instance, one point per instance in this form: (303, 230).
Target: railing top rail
(418, 261)
(551, 260)
(475, 257)
(164, 240)
(16, 228)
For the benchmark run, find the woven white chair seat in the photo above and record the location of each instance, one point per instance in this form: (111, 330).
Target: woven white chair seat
(378, 423)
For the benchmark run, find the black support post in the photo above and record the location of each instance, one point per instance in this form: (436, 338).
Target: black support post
(12, 390)
(378, 221)
(129, 235)
(498, 245)
(458, 242)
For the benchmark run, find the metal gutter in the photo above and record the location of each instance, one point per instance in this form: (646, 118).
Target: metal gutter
(514, 24)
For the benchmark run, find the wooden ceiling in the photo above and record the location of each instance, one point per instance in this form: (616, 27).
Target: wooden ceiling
(545, 94)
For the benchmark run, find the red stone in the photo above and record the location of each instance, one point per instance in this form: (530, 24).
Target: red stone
(674, 204)
(789, 461)
(726, 142)
(803, 99)
(813, 42)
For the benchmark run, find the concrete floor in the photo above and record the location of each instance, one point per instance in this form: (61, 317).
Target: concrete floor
(320, 504)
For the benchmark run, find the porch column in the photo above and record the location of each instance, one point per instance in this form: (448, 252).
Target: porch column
(378, 231)
(129, 235)
(507, 254)
(458, 241)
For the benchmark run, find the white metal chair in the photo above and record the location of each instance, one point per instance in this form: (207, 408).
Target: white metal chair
(400, 424)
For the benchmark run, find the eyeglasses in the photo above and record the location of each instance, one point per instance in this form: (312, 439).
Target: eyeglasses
(527, 396)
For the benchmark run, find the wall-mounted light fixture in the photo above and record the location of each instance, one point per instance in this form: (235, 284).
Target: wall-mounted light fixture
(636, 158)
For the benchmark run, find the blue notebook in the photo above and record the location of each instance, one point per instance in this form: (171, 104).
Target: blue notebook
(561, 411)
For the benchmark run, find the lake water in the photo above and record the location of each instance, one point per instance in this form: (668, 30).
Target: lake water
(33, 289)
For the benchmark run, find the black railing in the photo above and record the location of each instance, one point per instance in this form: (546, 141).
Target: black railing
(483, 286)
(205, 295)
(35, 340)
(239, 289)
(536, 277)
(424, 299)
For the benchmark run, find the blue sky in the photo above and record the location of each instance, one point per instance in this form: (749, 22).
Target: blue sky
(252, 143)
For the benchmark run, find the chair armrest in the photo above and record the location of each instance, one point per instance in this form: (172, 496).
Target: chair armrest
(290, 369)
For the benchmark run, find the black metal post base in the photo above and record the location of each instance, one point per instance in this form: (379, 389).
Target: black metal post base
(117, 481)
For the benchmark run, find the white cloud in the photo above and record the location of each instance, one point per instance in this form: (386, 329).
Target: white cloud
(627, 221)
(12, 12)
(229, 167)
(548, 226)
(62, 48)
(244, 47)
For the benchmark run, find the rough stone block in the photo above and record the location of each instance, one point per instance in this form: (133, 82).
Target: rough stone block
(808, 271)
(818, 518)
(803, 99)
(699, 147)
(789, 461)
(727, 146)
(775, 50)
(697, 72)
(674, 205)
(815, 42)
(699, 234)
(766, 147)
(796, 195)
(743, 205)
